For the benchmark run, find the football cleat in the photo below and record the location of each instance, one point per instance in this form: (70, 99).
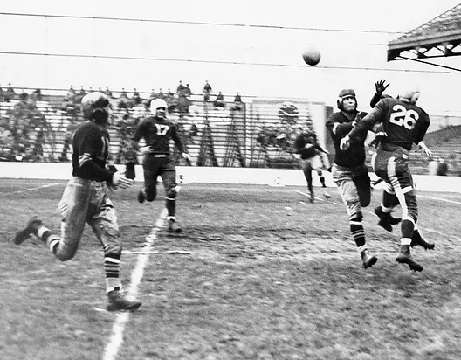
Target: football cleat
(417, 240)
(31, 228)
(116, 302)
(406, 258)
(367, 260)
(385, 219)
(173, 226)
(141, 196)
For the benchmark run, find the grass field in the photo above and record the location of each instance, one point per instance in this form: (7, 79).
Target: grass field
(258, 273)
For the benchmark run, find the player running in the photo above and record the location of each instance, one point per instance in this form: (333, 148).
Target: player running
(85, 200)
(157, 130)
(404, 123)
(308, 150)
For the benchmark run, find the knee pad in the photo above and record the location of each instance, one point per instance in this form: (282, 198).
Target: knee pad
(113, 250)
(356, 218)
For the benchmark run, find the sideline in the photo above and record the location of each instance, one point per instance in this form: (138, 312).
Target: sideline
(121, 319)
(220, 175)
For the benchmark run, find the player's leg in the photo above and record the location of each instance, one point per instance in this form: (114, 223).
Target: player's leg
(169, 184)
(151, 169)
(388, 202)
(350, 196)
(103, 221)
(318, 166)
(384, 166)
(405, 193)
(306, 167)
(362, 184)
(73, 207)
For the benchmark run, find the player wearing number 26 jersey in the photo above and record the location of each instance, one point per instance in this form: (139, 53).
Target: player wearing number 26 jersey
(405, 124)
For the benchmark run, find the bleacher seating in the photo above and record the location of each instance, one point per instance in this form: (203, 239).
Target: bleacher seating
(224, 136)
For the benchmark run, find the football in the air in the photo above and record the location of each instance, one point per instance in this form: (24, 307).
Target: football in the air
(311, 56)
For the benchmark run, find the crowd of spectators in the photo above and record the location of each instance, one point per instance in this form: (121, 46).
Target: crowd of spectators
(37, 127)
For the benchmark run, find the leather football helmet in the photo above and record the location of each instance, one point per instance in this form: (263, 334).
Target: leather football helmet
(95, 107)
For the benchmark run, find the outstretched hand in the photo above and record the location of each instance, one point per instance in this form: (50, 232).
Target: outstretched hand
(380, 86)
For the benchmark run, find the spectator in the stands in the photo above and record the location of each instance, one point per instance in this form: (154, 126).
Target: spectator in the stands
(152, 95)
(123, 94)
(123, 100)
(10, 94)
(206, 91)
(37, 95)
(70, 93)
(136, 97)
(219, 102)
(183, 101)
(161, 95)
(187, 91)
(180, 88)
(238, 103)
(109, 93)
(2, 94)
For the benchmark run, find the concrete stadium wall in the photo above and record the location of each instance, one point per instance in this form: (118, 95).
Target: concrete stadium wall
(217, 175)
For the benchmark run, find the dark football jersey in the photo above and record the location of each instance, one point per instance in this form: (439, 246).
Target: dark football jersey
(403, 122)
(90, 151)
(338, 126)
(157, 132)
(306, 145)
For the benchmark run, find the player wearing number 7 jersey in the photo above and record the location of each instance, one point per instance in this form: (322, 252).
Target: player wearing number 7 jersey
(157, 131)
(404, 123)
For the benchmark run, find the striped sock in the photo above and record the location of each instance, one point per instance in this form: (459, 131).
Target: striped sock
(112, 268)
(358, 233)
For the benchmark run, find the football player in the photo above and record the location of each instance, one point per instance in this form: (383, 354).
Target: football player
(157, 130)
(350, 173)
(383, 212)
(404, 123)
(85, 200)
(308, 150)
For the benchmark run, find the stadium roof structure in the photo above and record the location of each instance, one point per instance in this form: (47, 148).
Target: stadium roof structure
(439, 37)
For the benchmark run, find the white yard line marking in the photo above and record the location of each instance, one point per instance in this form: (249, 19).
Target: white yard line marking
(303, 193)
(328, 196)
(172, 252)
(31, 189)
(116, 340)
(440, 199)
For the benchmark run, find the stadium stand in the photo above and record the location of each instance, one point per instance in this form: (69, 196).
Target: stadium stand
(255, 132)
